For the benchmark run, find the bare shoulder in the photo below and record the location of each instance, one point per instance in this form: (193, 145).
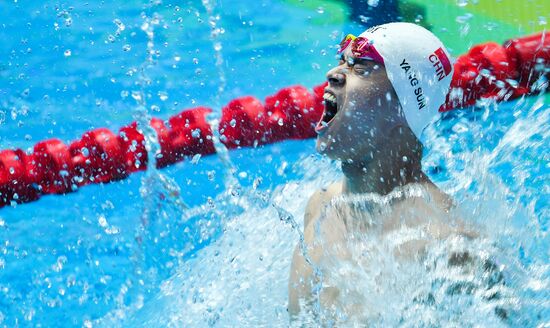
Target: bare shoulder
(439, 212)
(455, 222)
(319, 200)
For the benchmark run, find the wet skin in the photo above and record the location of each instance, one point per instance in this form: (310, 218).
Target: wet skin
(365, 129)
(367, 109)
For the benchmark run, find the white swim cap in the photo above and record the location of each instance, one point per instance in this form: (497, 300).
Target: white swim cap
(417, 65)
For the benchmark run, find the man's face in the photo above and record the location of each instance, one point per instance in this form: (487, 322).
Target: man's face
(360, 107)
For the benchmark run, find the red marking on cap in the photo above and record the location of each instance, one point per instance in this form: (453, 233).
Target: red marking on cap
(444, 60)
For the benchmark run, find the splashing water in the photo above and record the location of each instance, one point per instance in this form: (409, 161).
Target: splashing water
(158, 230)
(381, 279)
(159, 235)
(214, 118)
(215, 32)
(226, 262)
(242, 277)
(157, 190)
(231, 183)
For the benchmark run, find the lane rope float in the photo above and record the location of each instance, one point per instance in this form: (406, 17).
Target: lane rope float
(488, 71)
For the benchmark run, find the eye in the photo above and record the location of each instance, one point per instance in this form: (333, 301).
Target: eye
(360, 69)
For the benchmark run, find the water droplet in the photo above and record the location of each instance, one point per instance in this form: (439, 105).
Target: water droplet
(321, 10)
(322, 146)
(233, 123)
(280, 122)
(462, 3)
(363, 18)
(211, 202)
(102, 221)
(211, 175)
(513, 83)
(12, 170)
(463, 18)
(485, 72)
(373, 3)
(126, 47)
(196, 133)
(58, 266)
(196, 159)
(136, 95)
(257, 182)
(163, 95)
(460, 128)
(282, 168)
(112, 230)
(120, 26)
(67, 53)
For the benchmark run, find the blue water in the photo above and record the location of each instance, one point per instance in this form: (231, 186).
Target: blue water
(88, 258)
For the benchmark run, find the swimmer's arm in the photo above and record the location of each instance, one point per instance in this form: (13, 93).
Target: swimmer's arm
(313, 207)
(299, 284)
(301, 273)
(318, 200)
(299, 287)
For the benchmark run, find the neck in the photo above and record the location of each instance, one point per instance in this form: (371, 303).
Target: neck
(384, 172)
(371, 178)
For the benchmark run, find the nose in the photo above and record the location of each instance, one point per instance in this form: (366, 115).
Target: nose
(336, 77)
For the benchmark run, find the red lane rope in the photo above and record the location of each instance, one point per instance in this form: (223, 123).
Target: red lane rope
(488, 70)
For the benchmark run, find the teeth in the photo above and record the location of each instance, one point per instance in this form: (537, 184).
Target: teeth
(329, 97)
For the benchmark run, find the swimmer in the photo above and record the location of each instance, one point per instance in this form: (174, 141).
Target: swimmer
(388, 85)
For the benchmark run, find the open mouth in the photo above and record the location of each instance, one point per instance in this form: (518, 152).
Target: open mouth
(331, 107)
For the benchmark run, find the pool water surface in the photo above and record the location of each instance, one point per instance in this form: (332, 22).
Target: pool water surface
(129, 254)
